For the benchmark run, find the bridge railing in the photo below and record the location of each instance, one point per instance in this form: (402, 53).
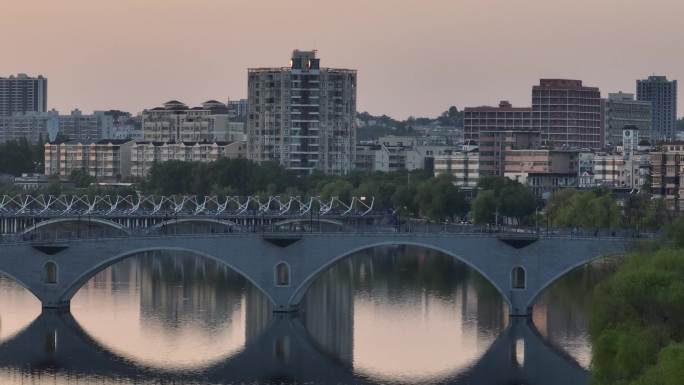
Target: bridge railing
(437, 229)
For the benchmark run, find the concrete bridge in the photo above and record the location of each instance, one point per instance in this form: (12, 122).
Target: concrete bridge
(282, 352)
(284, 265)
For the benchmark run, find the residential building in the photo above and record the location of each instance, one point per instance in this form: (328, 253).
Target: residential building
(35, 127)
(462, 165)
(568, 114)
(303, 116)
(505, 117)
(494, 145)
(667, 169)
(662, 94)
(106, 159)
(620, 110)
(609, 169)
(365, 156)
(543, 170)
(23, 94)
(31, 181)
(176, 122)
(145, 154)
(83, 128)
(238, 110)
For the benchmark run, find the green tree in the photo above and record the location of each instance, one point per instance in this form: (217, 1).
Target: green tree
(484, 207)
(81, 178)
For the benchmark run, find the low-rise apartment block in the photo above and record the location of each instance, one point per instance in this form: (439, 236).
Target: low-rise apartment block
(106, 159)
(464, 166)
(146, 154)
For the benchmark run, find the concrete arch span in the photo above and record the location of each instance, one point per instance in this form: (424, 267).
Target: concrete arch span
(302, 289)
(310, 221)
(82, 279)
(210, 223)
(86, 222)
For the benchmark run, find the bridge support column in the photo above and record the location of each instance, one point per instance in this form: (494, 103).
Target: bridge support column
(278, 309)
(62, 305)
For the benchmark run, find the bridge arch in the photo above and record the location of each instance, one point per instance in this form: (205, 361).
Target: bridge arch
(304, 221)
(210, 221)
(77, 220)
(78, 283)
(301, 290)
(563, 273)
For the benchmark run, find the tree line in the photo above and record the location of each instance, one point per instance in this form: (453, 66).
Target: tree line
(637, 318)
(408, 194)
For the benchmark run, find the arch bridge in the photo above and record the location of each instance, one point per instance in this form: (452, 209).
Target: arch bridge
(284, 265)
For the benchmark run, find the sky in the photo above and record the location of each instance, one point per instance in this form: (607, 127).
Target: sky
(414, 57)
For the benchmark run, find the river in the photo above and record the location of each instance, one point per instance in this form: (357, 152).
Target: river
(399, 315)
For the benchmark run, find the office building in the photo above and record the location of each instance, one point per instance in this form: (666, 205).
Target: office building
(22, 94)
(303, 116)
(621, 110)
(662, 94)
(505, 117)
(567, 113)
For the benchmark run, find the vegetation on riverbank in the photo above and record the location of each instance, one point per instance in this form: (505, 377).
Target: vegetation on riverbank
(637, 324)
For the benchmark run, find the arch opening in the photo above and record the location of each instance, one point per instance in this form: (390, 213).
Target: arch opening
(50, 273)
(282, 274)
(518, 278)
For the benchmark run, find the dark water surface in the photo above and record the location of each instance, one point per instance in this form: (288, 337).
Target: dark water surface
(388, 315)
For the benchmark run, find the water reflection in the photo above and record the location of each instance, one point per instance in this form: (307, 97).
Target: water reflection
(388, 315)
(170, 310)
(404, 314)
(18, 307)
(561, 314)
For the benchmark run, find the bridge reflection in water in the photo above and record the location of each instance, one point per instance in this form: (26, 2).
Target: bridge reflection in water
(330, 341)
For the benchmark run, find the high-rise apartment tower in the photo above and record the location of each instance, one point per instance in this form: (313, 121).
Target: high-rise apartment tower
(663, 97)
(302, 116)
(22, 93)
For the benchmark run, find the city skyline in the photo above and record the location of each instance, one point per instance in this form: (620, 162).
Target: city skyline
(412, 60)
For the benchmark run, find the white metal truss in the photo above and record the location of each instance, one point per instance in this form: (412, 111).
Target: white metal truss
(185, 205)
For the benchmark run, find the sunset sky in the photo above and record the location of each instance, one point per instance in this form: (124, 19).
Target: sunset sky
(414, 57)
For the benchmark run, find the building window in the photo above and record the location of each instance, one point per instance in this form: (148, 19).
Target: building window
(282, 274)
(51, 273)
(518, 278)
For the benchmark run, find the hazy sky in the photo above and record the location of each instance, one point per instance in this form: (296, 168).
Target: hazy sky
(414, 57)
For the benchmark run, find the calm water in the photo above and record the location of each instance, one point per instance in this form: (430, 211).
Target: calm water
(388, 315)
